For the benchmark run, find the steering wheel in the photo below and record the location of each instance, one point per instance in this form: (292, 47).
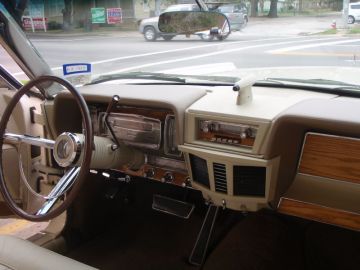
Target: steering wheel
(72, 152)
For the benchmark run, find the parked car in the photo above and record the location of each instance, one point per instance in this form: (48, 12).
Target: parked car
(354, 12)
(237, 15)
(149, 27)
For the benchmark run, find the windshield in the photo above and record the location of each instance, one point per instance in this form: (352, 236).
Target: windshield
(226, 9)
(307, 40)
(181, 8)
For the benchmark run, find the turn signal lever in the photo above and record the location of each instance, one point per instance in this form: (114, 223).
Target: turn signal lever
(112, 154)
(112, 104)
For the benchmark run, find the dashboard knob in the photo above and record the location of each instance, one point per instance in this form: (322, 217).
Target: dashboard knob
(243, 135)
(206, 126)
(149, 173)
(168, 177)
(187, 182)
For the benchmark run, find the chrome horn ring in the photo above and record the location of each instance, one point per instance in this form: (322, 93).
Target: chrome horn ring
(67, 149)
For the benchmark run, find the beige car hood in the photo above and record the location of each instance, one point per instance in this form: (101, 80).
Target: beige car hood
(344, 74)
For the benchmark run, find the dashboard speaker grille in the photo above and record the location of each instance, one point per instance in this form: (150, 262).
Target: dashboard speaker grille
(249, 181)
(220, 177)
(199, 170)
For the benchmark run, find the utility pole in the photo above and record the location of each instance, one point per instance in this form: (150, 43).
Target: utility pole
(157, 7)
(345, 15)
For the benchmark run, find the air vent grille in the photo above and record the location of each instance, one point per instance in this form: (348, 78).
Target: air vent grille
(249, 181)
(220, 177)
(199, 170)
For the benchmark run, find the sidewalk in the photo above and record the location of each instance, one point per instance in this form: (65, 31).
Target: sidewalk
(292, 25)
(81, 33)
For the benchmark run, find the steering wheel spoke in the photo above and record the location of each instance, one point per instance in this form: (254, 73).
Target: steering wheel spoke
(60, 188)
(68, 152)
(12, 138)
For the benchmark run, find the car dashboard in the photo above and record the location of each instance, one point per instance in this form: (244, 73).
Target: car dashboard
(290, 150)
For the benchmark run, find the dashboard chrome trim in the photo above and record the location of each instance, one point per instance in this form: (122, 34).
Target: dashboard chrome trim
(133, 129)
(170, 140)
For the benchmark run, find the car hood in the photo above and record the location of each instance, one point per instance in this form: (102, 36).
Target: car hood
(149, 20)
(349, 75)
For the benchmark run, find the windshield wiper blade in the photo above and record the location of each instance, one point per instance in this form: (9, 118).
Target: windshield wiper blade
(315, 85)
(139, 76)
(323, 82)
(173, 78)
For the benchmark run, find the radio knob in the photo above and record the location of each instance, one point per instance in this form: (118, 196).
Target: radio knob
(250, 133)
(206, 126)
(243, 135)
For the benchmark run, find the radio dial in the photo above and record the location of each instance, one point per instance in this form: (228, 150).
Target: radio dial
(206, 126)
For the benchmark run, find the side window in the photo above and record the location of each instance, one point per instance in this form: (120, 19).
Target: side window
(355, 7)
(11, 66)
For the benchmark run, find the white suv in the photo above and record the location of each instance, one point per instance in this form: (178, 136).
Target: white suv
(149, 27)
(354, 12)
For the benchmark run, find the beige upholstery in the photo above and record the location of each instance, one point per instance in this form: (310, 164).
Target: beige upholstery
(17, 254)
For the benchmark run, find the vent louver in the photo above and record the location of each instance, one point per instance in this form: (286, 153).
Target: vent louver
(220, 177)
(249, 181)
(199, 170)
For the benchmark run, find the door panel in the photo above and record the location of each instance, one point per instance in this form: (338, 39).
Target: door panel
(20, 123)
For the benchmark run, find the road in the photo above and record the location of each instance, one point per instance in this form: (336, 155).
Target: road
(256, 46)
(120, 54)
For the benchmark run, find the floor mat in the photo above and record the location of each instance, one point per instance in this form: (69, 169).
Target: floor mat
(21, 228)
(155, 241)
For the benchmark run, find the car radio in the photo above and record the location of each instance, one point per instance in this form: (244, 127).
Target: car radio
(226, 133)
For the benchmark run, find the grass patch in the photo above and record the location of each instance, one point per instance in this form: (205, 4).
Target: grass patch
(354, 30)
(329, 32)
(304, 13)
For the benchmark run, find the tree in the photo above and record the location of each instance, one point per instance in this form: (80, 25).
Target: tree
(254, 8)
(15, 8)
(273, 9)
(261, 4)
(67, 13)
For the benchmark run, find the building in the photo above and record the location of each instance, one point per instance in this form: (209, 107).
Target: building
(79, 11)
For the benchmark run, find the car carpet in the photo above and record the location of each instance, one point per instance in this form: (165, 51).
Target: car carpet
(140, 238)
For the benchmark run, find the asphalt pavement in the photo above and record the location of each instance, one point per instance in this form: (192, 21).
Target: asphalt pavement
(263, 43)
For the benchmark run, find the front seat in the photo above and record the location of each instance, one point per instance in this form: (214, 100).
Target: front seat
(18, 254)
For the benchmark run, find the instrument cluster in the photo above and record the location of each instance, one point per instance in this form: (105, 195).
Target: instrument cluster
(152, 131)
(145, 128)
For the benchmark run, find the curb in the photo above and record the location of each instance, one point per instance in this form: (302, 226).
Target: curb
(81, 34)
